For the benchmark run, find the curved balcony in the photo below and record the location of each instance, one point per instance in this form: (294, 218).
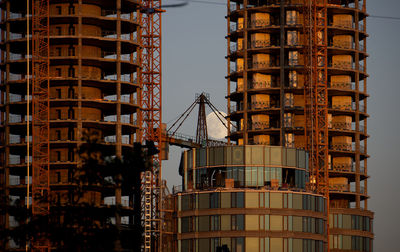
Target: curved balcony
(103, 40)
(107, 84)
(19, 6)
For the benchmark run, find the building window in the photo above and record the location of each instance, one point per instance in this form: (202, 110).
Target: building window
(58, 111)
(71, 10)
(71, 92)
(58, 91)
(58, 72)
(292, 38)
(58, 154)
(58, 176)
(71, 30)
(59, 10)
(58, 51)
(71, 114)
(58, 134)
(71, 72)
(71, 51)
(293, 58)
(293, 79)
(71, 155)
(59, 30)
(70, 133)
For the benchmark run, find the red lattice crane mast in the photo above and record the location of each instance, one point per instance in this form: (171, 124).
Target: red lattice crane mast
(316, 96)
(40, 116)
(150, 78)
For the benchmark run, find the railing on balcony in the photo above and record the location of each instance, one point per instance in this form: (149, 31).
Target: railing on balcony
(261, 84)
(262, 44)
(342, 45)
(260, 105)
(348, 107)
(341, 146)
(260, 23)
(261, 64)
(340, 187)
(341, 126)
(343, 85)
(259, 125)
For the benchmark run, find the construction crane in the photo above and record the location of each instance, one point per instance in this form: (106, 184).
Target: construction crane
(316, 96)
(40, 115)
(150, 119)
(171, 136)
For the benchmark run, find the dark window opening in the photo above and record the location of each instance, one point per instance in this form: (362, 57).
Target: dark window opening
(58, 175)
(58, 72)
(58, 90)
(59, 10)
(71, 92)
(58, 51)
(71, 51)
(70, 133)
(58, 111)
(58, 30)
(71, 155)
(71, 72)
(58, 153)
(71, 30)
(71, 10)
(71, 114)
(58, 134)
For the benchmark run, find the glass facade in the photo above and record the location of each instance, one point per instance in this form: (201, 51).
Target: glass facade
(245, 166)
(254, 199)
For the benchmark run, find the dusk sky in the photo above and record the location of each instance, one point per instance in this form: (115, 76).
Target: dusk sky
(194, 50)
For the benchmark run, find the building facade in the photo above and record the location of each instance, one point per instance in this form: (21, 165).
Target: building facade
(93, 89)
(266, 56)
(248, 198)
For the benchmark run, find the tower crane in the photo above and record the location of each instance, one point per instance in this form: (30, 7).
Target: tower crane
(316, 96)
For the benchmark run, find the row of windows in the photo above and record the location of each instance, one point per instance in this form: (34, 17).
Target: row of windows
(355, 243)
(247, 155)
(251, 244)
(251, 177)
(347, 221)
(251, 200)
(251, 223)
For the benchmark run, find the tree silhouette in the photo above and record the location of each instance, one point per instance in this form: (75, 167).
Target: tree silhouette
(76, 222)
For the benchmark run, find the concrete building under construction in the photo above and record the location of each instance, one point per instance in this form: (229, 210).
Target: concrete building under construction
(255, 194)
(93, 87)
(260, 192)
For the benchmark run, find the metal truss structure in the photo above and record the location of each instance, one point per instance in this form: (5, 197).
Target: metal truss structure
(316, 95)
(40, 115)
(151, 120)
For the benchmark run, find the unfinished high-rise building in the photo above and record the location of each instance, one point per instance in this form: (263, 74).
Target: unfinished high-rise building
(93, 88)
(254, 195)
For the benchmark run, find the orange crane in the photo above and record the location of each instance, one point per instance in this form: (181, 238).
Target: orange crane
(150, 119)
(40, 115)
(316, 96)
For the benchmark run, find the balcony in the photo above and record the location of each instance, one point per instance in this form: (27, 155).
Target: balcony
(343, 85)
(259, 125)
(351, 147)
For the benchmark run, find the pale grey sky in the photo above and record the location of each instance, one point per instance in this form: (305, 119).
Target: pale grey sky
(194, 50)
